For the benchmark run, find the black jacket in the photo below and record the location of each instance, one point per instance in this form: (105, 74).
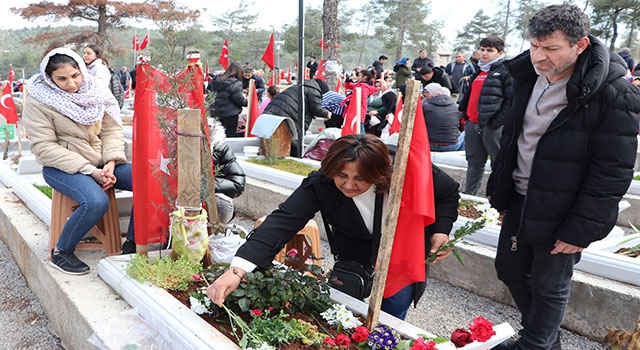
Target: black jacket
(229, 176)
(495, 96)
(442, 119)
(439, 76)
(259, 85)
(229, 98)
(352, 238)
(584, 161)
(285, 104)
(379, 69)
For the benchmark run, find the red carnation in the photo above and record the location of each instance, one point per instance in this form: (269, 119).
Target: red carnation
(292, 252)
(481, 329)
(256, 312)
(420, 344)
(461, 337)
(361, 334)
(329, 341)
(342, 340)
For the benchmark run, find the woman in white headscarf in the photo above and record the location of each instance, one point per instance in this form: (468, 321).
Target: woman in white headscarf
(75, 132)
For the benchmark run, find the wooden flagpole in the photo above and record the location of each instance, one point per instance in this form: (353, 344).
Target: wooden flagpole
(390, 220)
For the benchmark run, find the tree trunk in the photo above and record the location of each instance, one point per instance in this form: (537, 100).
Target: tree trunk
(331, 41)
(506, 21)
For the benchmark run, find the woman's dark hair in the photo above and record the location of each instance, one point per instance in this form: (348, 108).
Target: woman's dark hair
(273, 91)
(370, 154)
(322, 85)
(368, 74)
(58, 60)
(97, 49)
(234, 70)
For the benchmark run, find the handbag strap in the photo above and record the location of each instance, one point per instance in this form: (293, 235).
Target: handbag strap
(376, 234)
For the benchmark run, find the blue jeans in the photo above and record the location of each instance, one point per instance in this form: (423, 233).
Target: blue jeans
(479, 145)
(92, 199)
(398, 304)
(459, 146)
(539, 282)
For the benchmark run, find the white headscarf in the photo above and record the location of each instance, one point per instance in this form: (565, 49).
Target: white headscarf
(87, 106)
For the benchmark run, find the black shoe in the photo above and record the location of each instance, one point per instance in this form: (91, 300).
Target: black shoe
(68, 262)
(509, 344)
(128, 247)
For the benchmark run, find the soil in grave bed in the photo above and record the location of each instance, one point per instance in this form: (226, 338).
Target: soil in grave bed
(632, 254)
(221, 322)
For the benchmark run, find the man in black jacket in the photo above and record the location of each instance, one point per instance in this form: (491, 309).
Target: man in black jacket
(566, 160)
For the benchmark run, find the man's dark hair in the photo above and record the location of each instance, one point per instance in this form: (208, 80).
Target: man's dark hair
(566, 18)
(383, 57)
(493, 41)
(426, 70)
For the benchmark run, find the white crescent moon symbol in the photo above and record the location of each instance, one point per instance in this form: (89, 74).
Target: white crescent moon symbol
(4, 97)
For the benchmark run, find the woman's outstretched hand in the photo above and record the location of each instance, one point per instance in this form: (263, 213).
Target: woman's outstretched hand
(225, 285)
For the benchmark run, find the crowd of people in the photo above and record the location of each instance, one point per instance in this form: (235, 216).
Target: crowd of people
(558, 122)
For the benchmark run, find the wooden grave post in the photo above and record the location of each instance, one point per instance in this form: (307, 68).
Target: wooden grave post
(393, 207)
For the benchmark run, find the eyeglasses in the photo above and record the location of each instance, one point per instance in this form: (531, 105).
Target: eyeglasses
(541, 94)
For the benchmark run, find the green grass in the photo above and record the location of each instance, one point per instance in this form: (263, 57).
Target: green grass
(637, 178)
(285, 164)
(47, 190)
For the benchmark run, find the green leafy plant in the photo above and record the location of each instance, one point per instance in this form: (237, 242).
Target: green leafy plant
(285, 164)
(47, 190)
(164, 273)
(305, 289)
(632, 251)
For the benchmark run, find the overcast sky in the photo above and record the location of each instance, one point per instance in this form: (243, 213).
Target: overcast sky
(276, 13)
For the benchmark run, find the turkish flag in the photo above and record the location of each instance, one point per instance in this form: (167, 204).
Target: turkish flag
(206, 72)
(254, 112)
(289, 75)
(268, 55)
(7, 106)
(191, 87)
(352, 117)
(224, 55)
(271, 80)
(144, 42)
(339, 85)
(417, 210)
(151, 164)
(322, 44)
(12, 74)
(134, 43)
(395, 124)
(322, 73)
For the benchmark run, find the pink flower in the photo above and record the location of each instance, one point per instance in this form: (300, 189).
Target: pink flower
(419, 344)
(461, 337)
(256, 312)
(292, 253)
(361, 334)
(270, 308)
(196, 277)
(342, 340)
(481, 329)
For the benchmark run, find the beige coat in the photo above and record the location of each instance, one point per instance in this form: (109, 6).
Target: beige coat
(61, 143)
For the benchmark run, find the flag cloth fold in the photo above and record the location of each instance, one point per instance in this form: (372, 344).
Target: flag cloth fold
(352, 118)
(150, 160)
(224, 55)
(7, 105)
(268, 56)
(254, 112)
(12, 74)
(417, 210)
(322, 44)
(144, 42)
(395, 124)
(322, 71)
(135, 43)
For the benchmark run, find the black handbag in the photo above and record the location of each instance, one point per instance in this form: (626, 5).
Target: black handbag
(352, 277)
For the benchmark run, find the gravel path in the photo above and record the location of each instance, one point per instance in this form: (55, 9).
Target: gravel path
(23, 324)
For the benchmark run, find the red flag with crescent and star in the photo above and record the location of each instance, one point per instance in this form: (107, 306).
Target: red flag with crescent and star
(224, 55)
(7, 106)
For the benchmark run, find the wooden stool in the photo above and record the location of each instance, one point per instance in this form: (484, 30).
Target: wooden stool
(307, 239)
(106, 234)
